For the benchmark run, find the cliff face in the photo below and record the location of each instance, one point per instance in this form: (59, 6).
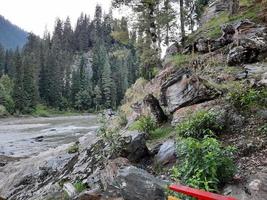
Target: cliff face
(225, 57)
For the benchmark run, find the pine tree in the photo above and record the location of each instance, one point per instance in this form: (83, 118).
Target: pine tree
(29, 83)
(107, 83)
(19, 92)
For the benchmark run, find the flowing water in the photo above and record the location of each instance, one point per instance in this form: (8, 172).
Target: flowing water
(23, 137)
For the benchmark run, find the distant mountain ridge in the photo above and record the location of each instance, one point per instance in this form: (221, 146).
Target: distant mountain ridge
(11, 35)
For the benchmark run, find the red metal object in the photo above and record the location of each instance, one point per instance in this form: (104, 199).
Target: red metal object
(199, 194)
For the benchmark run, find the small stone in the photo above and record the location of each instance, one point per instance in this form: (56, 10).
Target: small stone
(255, 185)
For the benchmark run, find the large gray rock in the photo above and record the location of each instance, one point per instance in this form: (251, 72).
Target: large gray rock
(167, 153)
(135, 147)
(137, 184)
(184, 89)
(254, 189)
(250, 42)
(215, 8)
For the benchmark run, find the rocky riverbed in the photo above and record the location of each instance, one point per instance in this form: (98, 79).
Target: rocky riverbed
(22, 137)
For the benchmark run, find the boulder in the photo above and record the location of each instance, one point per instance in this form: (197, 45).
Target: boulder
(226, 116)
(250, 41)
(155, 108)
(137, 184)
(240, 54)
(69, 189)
(185, 89)
(135, 147)
(255, 188)
(167, 153)
(214, 9)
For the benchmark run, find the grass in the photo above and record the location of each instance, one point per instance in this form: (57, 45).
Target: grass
(162, 132)
(212, 28)
(181, 59)
(79, 186)
(44, 111)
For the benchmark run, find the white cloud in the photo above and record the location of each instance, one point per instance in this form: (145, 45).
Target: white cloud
(35, 15)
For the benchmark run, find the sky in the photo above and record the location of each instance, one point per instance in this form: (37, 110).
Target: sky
(35, 15)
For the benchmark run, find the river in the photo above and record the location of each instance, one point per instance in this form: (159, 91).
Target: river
(27, 136)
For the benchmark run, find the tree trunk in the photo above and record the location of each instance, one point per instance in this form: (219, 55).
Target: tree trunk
(182, 22)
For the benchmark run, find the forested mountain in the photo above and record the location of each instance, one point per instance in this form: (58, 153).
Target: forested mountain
(11, 35)
(86, 68)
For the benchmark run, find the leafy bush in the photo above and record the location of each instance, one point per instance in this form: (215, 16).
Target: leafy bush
(205, 164)
(6, 89)
(3, 111)
(145, 124)
(73, 149)
(79, 186)
(198, 125)
(110, 135)
(246, 99)
(122, 119)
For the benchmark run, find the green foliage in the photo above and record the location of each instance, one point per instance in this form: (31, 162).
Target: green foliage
(145, 124)
(6, 90)
(73, 149)
(161, 132)
(110, 135)
(245, 99)
(198, 125)
(263, 129)
(205, 164)
(3, 111)
(79, 186)
(83, 100)
(122, 119)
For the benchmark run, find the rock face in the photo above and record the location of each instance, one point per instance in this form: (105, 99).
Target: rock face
(254, 189)
(250, 41)
(155, 108)
(185, 89)
(214, 9)
(137, 184)
(135, 148)
(167, 153)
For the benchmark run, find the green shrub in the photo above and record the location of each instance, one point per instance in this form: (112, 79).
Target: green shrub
(159, 133)
(122, 119)
(145, 124)
(79, 186)
(198, 125)
(245, 99)
(205, 164)
(3, 111)
(73, 149)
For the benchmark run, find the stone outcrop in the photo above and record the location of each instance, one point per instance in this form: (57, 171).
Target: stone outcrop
(137, 184)
(184, 89)
(215, 8)
(250, 42)
(134, 147)
(166, 153)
